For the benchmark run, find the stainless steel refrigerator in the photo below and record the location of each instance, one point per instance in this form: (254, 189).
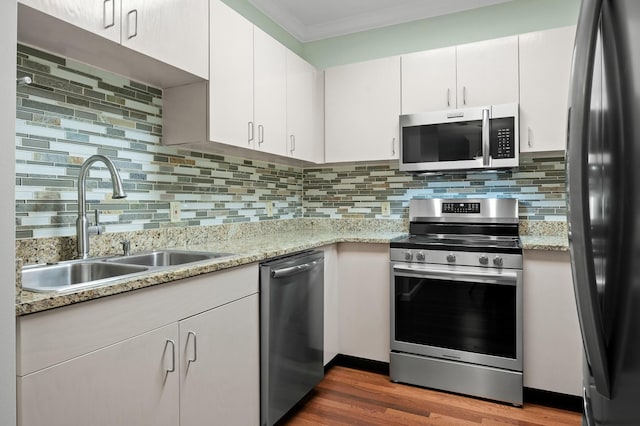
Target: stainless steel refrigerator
(603, 183)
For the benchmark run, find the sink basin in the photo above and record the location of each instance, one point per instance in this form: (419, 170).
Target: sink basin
(72, 276)
(160, 258)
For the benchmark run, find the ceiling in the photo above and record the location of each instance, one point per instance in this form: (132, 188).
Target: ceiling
(310, 20)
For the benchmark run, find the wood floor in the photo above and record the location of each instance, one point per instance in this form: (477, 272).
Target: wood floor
(355, 397)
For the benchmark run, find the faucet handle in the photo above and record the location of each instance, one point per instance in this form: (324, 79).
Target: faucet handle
(96, 229)
(126, 247)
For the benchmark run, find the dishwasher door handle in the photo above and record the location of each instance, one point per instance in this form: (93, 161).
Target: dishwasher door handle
(293, 270)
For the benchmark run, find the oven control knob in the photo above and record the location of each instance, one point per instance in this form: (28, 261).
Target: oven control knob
(408, 256)
(497, 261)
(420, 256)
(451, 257)
(484, 260)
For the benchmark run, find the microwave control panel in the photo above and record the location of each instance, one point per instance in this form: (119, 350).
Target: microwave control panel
(502, 140)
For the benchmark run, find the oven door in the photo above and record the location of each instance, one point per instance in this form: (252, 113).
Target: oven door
(458, 313)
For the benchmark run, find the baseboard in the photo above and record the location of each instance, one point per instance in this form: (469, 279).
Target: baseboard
(532, 396)
(364, 364)
(553, 399)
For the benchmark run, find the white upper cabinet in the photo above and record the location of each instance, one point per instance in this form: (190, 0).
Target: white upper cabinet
(305, 110)
(487, 72)
(231, 78)
(101, 17)
(245, 104)
(468, 75)
(545, 68)
(429, 80)
(173, 31)
(270, 93)
(362, 105)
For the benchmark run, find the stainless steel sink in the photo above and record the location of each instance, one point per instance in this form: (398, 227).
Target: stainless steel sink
(160, 258)
(77, 275)
(72, 276)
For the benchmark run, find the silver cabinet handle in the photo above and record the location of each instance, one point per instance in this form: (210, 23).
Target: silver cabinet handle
(173, 355)
(293, 143)
(260, 134)
(393, 146)
(195, 347)
(448, 97)
(135, 22)
(250, 132)
(486, 145)
(464, 95)
(529, 141)
(113, 14)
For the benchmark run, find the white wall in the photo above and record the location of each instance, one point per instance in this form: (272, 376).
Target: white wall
(8, 33)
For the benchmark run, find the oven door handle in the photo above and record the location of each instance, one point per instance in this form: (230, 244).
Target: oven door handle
(509, 277)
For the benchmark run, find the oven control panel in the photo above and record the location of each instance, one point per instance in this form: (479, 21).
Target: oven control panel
(461, 207)
(460, 258)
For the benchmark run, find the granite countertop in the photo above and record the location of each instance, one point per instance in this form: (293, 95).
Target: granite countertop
(248, 243)
(246, 250)
(545, 242)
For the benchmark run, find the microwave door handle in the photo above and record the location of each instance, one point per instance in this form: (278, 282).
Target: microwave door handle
(486, 146)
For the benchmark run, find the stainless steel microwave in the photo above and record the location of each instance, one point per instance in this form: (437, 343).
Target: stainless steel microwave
(484, 137)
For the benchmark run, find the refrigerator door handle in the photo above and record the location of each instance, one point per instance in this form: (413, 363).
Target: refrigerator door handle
(580, 238)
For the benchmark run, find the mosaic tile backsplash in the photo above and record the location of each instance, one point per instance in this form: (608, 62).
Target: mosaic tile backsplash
(72, 111)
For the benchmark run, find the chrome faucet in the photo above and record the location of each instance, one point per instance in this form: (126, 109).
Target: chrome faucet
(82, 224)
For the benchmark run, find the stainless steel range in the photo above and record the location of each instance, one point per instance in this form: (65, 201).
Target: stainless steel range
(456, 298)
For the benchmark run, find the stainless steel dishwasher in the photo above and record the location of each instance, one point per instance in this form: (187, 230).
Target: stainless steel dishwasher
(291, 331)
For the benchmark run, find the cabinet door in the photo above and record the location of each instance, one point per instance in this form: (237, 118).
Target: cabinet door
(173, 31)
(331, 304)
(362, 105)
(101, 17)
(219, 364)
(304, 88)
(128, 383)
(487, 72)
(429, 80)
(364, 300)
(545, 68)
(231, 77)
(270, 93)
(551, 333)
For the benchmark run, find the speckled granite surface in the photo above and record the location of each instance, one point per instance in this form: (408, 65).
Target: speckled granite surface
(539, 235)
(250, 242)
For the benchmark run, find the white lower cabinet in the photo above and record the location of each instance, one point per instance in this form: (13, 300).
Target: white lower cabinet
(364, 293)
(134, 382)
(551, 336)
(183, 353)
(219, 365)
(331, 304)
